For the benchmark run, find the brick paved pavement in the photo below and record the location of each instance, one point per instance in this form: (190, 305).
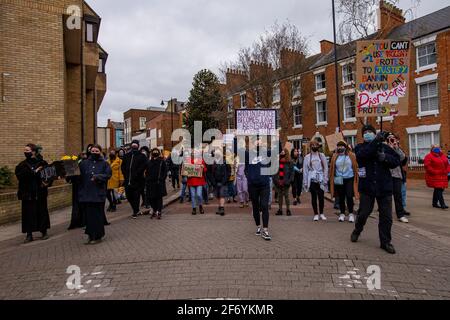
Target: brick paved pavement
(209, 257)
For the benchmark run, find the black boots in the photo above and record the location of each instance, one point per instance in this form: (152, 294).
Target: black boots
(221, 211)
(29, 238)
(389, 248)
(354, 237)
(202, 211)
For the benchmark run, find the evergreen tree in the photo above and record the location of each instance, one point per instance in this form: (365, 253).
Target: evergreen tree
(205, 101)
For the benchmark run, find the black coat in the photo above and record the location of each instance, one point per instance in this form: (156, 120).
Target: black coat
(155, 178)
(93, 191)
(133, 167)
(220, 174)
(30, 183)
(378, 179)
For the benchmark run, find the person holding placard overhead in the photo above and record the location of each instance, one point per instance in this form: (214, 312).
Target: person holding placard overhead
(315, 178)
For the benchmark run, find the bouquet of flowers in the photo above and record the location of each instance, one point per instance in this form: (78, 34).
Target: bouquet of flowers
(67, 167)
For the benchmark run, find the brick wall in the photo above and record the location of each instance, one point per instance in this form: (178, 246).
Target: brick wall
(10, 208)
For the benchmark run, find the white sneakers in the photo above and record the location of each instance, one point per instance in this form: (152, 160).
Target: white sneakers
(316, 218)
(351, 218)
(404, 220)
(342, 218)
(323, 218)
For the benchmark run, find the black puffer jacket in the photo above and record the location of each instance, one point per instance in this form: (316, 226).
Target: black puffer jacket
(220, 174)
(133, 167)
(375, 176)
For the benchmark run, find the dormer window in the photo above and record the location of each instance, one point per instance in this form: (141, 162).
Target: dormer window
(90, 32)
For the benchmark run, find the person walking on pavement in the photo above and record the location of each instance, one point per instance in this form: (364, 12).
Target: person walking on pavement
(397, 178)
(133, 167)
(297, 183)
(375, 161)
(344, 179)
(156, 174)
(95, 173)
(174, 170)
(283, 180)
(33, 193)
(220, 175)
(242, 183)
(315, 178)
(144, 201)
(197, 184)
(116, 180)
(437, 169)
(231, 184)
(259, 187)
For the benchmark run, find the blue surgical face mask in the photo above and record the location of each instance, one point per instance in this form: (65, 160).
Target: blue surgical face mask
(437, 150)
(369, 136)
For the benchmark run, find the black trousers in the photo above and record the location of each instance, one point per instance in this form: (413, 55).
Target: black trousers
(156, 204)
(345, 193)
(95, 220)
(317, 194)
(111, 198)
(438, 197)
(133, 196)
(297, 186)
(175, 178)
(398, 198)
(259, 196)
(367, 203)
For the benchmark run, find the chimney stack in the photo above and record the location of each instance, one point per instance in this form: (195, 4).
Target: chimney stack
(235, 78)
(389, 17)
(326, 46)
(291, 58)
(259, 70)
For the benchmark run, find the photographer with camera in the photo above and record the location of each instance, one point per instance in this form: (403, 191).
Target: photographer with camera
(375, 161)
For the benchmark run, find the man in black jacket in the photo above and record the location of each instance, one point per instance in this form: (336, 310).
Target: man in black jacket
(375, 160)
(133, 167)
(219, 176)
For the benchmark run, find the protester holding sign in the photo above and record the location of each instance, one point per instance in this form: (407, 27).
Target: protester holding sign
(33, 192)
(196, 180)
(375, 160)
(344, 179)
(315, 178)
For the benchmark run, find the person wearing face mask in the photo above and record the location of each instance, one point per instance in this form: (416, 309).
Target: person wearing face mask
(297, 183)
(144, 201)
(344, 179)
(220, 175)
(197, 184)
(94, 173)
(78, 219)
(133, 167)
(155, 179)
(282, 181)
(33, 192)
(375, 161)
(437, 168)
(116, 180)
(315, 178)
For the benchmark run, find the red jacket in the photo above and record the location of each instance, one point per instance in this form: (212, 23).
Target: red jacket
(196, 182)
(437, 169)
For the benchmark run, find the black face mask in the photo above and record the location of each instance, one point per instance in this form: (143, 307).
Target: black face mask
(315, 149)
(155, 155)
(28, 155)
(341, 150)
(95, 156)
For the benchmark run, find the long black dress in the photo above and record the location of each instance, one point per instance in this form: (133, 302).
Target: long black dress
(155, 177)
(78, 219)
(33, 194)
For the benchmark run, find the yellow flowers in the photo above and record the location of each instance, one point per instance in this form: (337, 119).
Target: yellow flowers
(67, 158)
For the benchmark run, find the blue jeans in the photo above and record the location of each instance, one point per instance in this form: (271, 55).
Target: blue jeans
(196, 194)
(231, 189)
(270, 191)
(183, 191)
(404, 195)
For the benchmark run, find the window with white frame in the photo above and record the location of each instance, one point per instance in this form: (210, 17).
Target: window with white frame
(347, 73)
(320, 81)
(321, 112)
(351, 141)
(297, 109)
(230, 105)
(276, 97)
(127, 129)
(426, 55)
(278, 118)
(428, 97)
(349, 107)
(258, 96)
(243, 100)
(90, 27)
(101, 66)
(420, 144)
(142, 123)
(296, 89)
(159, 133)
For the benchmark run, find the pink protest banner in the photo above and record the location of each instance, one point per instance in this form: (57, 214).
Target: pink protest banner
(382, 78)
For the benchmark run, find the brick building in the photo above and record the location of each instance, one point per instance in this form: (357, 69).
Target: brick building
(303, 88)
(116, 131)
(135, 122)
(52, 77)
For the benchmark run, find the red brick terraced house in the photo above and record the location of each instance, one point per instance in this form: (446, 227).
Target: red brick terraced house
(303, 88)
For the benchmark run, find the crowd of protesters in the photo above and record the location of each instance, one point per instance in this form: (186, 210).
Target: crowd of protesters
(373, 171)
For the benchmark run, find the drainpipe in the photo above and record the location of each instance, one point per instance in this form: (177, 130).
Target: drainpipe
(82, 77)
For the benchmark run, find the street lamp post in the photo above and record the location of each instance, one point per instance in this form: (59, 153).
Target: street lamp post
(338, 128)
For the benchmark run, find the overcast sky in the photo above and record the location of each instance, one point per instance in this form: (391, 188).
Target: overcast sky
(156, 46)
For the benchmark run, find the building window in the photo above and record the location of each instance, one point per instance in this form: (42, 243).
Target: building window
(296, 89)
(230, 105)
(127, 127)
(351, 141)
(159, 133)
(428, 98)
(243, 100)
(101, 66)
(321, 112)
(276, 94)
(258, 96)
(420, 144)
(320, 82)
(90, 29)
(349, 107)
(278, 119)
(347, 74)
(297, 116)
(142, 123)
(426, 55)
(230, 123)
